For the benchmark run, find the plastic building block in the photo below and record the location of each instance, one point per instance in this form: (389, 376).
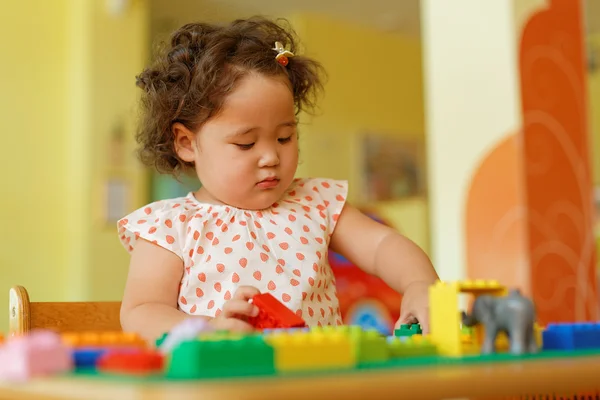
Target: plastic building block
(189, 329)
(268, 331)
(571, 336)
(586, 336)
(471, 344)
(219, 356)
(103, 339)
(35, 354)
(395, 363)
(559, 337)
(369, 345)
(131, 362)
(466, 335)
(225, 335)
(444, 317)
(408, 330)
(273, 314)
(87, 358)
(314, 350)
(412, 346)
(295, 352)
(161, 339)
(480, 286)
(539, 332)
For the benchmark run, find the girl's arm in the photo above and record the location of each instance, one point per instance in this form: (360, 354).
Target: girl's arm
(149, 305)
(381, 250)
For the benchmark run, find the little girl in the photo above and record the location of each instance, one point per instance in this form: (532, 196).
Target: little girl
(223, 102)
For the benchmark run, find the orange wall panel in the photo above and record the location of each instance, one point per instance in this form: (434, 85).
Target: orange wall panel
(529, 207)
(557, 169)
(496, 223)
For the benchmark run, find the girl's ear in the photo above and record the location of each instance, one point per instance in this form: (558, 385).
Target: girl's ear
(185, 142)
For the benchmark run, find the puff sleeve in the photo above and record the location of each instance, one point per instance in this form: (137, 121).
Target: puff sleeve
(161, 223)
(331, 196)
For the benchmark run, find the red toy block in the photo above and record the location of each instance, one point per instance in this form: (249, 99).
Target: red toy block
(273, 314)
(132, 361)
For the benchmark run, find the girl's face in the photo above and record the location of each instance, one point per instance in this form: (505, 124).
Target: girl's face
(247, 155)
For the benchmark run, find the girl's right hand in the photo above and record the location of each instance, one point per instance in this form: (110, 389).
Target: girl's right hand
(237, 311)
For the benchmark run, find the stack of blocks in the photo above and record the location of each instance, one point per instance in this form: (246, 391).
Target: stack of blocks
(572, 336)
(282, 344)
(222, 354)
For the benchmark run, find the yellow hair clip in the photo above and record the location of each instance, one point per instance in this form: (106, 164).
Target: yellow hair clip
(282, 54)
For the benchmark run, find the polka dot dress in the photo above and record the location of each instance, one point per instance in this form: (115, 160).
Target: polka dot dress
(281, 250)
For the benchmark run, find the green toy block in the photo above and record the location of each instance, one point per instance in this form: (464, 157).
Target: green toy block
(466, 330)
(161, 339)
(415, 346)
(408, 330)
(370, 346)
(221, 357)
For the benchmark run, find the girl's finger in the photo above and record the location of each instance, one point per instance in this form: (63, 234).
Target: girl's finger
(245, 293)
(235, 325)
(236, 308)
(407, 318)
(423, 317)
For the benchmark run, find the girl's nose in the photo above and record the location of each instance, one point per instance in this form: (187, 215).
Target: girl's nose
(269, 157)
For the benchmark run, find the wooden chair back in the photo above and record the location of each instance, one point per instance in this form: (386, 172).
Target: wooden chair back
(60, 316)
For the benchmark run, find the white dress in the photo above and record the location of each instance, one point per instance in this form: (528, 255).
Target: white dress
(281, 250)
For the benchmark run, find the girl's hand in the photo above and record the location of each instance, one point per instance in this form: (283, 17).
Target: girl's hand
(415, 306)
(237, 310)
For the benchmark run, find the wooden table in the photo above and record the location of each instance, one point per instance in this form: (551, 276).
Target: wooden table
(566, 375)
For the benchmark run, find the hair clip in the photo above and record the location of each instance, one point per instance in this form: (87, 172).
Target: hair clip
(282, 54)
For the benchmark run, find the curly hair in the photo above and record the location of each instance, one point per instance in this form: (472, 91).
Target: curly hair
(189, 81)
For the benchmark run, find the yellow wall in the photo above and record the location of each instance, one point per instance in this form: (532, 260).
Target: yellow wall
(68, 71)
(33, 115)
(375, 78)
(119, 54)
(63, 96)
(374, 86)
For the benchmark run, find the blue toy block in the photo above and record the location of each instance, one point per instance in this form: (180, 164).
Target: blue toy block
(87, 358)
(571, 336)
(586, 336)
(558, 337)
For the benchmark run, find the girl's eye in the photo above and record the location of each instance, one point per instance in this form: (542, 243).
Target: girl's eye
(245, 146)
(285, 140)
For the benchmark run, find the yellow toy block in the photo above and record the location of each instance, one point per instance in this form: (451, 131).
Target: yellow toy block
(368, 344)
(103, 339)
(465, 338)
(480, 286)
(502, 342)
(314, 350)
(445, 319)
(413, 346)
(538, 334)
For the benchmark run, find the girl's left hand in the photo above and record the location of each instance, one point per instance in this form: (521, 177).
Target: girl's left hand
(415, 306)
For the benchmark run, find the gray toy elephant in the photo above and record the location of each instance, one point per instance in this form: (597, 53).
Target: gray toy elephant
(512, 314)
